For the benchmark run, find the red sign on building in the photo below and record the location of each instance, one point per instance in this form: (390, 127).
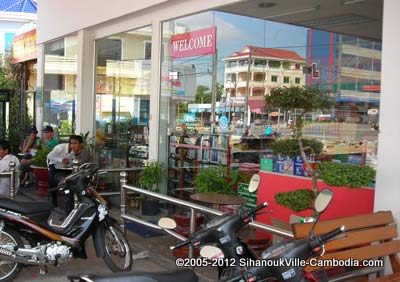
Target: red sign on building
(196, 43)
(24, 47)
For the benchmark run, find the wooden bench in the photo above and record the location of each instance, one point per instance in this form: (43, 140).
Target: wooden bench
(370, 236)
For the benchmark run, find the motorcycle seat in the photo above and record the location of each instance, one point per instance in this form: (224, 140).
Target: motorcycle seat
(25, 207)
(181, 275)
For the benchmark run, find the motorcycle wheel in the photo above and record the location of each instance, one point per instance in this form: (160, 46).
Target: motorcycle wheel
(117, 252)
(10, 239)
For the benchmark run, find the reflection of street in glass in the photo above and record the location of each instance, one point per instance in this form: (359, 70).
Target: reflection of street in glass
(353, 132)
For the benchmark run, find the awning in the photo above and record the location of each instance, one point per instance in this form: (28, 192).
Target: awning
(256, 105)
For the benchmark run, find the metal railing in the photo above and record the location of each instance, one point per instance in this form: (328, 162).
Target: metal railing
(11, 173)
(193, 209)
(120, 170)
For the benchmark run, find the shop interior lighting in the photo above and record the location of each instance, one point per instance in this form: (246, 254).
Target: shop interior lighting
(289, 13)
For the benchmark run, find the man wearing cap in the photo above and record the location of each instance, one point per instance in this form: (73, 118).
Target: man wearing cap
(48, 135)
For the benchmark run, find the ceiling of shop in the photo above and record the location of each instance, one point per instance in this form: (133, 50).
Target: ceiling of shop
(362, 18)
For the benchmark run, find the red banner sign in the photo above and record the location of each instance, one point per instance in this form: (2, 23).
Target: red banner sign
(195, 43)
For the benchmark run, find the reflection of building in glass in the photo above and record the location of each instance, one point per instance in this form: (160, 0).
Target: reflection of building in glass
(59, 84)
(268, 68)
(350, 67)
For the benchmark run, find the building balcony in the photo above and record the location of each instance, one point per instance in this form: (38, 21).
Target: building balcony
(360, 51)
(357, 73)
(359, 96)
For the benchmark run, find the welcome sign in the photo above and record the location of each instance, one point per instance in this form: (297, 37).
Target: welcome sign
(195, 43)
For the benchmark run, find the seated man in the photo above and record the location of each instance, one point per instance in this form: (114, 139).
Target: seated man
(63, 155)
(5, 160)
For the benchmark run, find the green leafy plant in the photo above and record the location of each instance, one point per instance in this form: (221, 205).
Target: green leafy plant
(214, 180)
(65, 128)
(151, 175)
(10, 78)
(297, 200)
(40, 159)
(291, 148)
(348, 175)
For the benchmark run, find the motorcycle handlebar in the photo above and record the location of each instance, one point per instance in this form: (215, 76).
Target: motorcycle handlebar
(181, 244)
(326, 237)
(257, 208)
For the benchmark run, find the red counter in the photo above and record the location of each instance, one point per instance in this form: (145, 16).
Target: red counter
(346, 201)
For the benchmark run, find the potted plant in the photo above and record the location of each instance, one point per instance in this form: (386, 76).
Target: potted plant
(39, 167)
(332, 174)
(149, 178)
(306, 100)
(214, 180)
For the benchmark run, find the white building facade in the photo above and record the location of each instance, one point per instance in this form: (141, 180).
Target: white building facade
(58, 20)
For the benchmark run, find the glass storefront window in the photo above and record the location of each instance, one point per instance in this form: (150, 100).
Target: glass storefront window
(59, 95)
(213, 108)
(122, 97)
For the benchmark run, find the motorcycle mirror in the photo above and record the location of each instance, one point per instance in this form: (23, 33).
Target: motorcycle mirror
(254, 183)
(211, 252)
(323, 199)
(166, 223)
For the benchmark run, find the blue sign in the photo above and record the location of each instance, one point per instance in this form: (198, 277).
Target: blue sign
(223, 122)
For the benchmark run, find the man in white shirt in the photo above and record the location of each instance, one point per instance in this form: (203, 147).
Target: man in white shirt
(5, 160)
(63, 155)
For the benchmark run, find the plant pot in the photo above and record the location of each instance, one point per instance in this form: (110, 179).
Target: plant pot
(42, 175)
(149, 207)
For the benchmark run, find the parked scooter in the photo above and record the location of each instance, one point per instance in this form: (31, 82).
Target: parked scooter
(293, 252)
(53, 244)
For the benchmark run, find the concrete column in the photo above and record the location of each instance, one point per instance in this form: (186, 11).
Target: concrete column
(154, 136)
(387, 192)
(39, 87)
(85, 100)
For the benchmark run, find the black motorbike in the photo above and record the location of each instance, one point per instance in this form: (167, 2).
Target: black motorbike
(285, 261)
(55, 243)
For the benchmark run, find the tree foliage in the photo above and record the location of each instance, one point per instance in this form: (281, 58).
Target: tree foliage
(296, 97)
(203, 94)
(10, 79)
(290, 147)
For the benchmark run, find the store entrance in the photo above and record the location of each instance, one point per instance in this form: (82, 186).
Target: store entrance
(123, 98)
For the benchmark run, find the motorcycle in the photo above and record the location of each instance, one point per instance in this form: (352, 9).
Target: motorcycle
(53, 244)
(284, 259)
